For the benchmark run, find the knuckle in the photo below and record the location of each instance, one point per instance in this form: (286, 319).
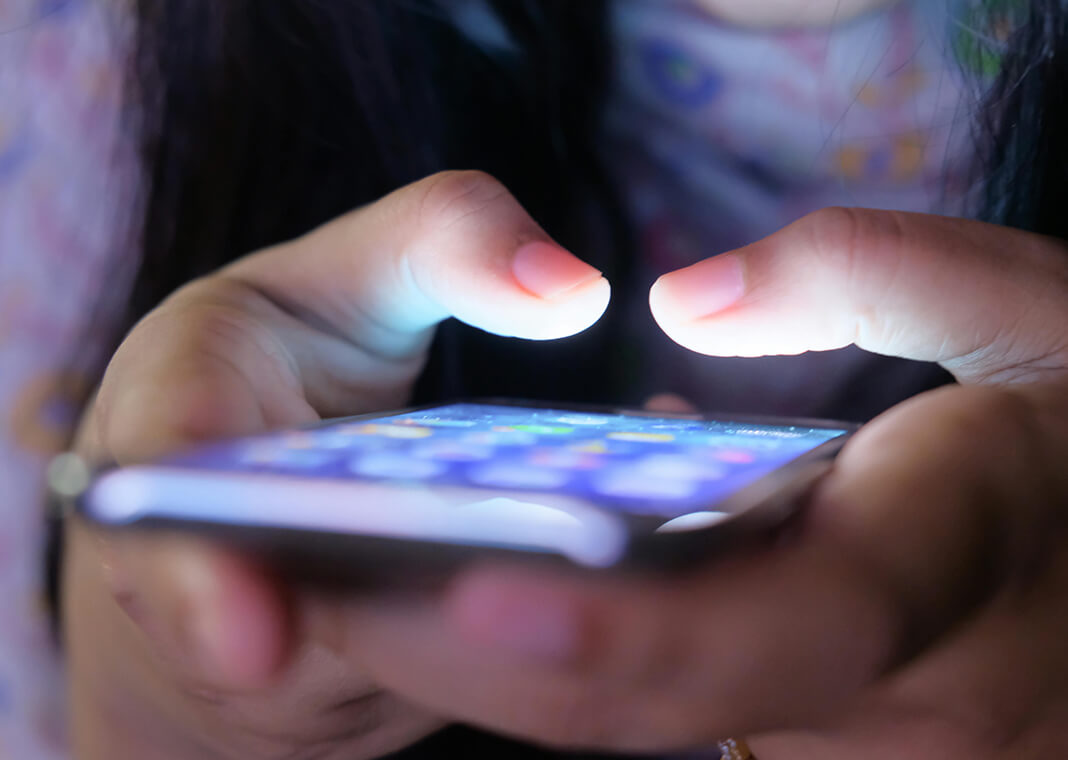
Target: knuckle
(450, 197)
(836, 234)
(212, 336)
(229, 324)
(851, 236)
(860, 252)
(185, 349)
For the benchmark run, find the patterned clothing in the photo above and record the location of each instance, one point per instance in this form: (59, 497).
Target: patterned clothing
(61, 196)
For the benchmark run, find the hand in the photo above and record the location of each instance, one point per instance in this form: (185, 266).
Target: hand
(179, 648)
(921, 610)
(790, 13)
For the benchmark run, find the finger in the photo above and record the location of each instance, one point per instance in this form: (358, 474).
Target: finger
(455, 244)
(187, 640)
(211, 614)
(1000, 678)
(669, 403)
(774, 641)
(627, 665)
(913, 732)
(987, 302)
(190, 377)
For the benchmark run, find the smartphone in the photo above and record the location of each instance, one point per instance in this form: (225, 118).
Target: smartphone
(436, 486)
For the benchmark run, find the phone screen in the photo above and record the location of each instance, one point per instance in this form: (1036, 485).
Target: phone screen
(540, 466)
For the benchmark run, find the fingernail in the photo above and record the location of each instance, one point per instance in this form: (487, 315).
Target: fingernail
(531, 625)
(548, 271)
(705, 288)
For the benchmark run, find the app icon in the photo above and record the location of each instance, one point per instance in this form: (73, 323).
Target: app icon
(583, 419)
(517, 475)
(452, 450)
(336, 440)
(678, 466)
(610, 447)
(630, 483)
(589, 447)
(734, 456)
(679, 426)
(387, 464)
(565, 459)
(638, 437)
(288, 459)
(499, 437)
(298, 439)
(390, 431)
(545, 429)
(365, 442)
(260, 453)
(444, 422)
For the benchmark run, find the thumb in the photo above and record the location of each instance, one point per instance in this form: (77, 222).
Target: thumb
(454, 244)
(988, 303)
(338, 320)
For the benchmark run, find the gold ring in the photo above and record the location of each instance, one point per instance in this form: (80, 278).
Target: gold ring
(735, 749)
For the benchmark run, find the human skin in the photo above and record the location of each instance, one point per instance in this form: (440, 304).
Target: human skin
(789, 13)
(920, 610)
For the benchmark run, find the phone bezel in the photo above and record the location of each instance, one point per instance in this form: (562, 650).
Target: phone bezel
(759, 509)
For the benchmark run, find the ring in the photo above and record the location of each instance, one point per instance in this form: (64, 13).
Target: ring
(735, 749)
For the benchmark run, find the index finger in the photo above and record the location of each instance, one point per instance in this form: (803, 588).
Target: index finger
(454, 244)
(989, 303)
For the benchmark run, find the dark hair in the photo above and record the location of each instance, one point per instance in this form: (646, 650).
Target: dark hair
(1023, 167)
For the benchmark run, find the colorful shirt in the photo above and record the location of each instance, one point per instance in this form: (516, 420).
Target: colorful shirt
(61, 200)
